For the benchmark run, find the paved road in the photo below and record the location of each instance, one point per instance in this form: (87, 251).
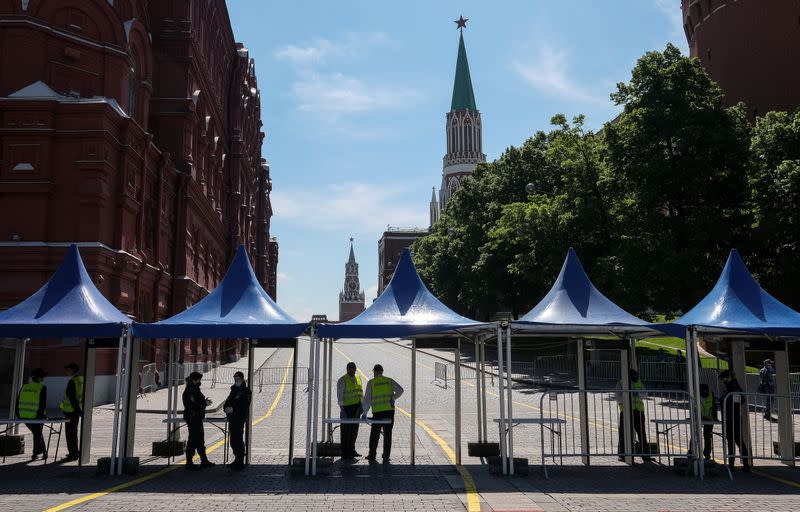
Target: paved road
(432, 484)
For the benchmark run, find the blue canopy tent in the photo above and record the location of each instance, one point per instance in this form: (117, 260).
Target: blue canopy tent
(238, 308)
(69, 305)
(572, 308)
(405, 309)
(737, 308)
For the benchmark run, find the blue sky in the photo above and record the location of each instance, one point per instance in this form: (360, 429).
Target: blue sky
(354, 95)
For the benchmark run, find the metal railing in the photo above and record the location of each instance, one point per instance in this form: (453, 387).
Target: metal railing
(148, 381)
(261, 377)
(662, 430)
(755, 427)
(440, 374)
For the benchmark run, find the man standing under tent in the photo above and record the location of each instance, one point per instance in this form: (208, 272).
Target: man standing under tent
(194, 410)
(766, 386)
(731, 403)
(237, 408)
(380, 395)
(638, 419)
(349, 393)
(72, 407)
(708, 412)
(32, 405)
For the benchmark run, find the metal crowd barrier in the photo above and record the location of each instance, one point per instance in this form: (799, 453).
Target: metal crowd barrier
(147, 379)
(440, 374)
(754, 432)
(261, 377)
(664, 434)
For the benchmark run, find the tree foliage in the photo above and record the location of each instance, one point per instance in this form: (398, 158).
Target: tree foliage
(652, 204)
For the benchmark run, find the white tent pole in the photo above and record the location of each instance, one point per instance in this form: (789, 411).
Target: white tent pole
(478, 391)
(126, 387)
(330, 388)
(483, 390)
(311, 376)
(695, 418)
(18, 379)
(325, 380)
(458, 400)
(413, 400)
(115, 424)
(501, 396)
(249, 424)
(169, 375)
(509, 402)
(315, 427)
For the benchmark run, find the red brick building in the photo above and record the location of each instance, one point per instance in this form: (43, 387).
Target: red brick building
(750, 48)
(132, 128)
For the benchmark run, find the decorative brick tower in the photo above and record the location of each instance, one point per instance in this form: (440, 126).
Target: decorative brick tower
(351, 298)
(464, 129)
(751, 48)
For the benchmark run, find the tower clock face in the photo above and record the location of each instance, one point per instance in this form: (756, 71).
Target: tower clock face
(352, 286)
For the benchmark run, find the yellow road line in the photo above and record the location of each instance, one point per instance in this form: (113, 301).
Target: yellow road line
(473, 503)
(167, 469)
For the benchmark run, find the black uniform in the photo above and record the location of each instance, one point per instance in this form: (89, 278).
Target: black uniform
(238, 400)
(194, 410)
(732, 422)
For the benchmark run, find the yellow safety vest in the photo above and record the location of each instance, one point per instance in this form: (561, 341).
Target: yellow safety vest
(636, 398)
(382, 394)
(65, 404)
(707, 406)
(29, 397)
(353, 390)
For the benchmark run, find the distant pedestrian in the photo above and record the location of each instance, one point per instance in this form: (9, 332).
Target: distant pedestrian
(72, 407)
(32, 405)
(637, 415)
(349, 393)
(731, 403)
(766, 386)
(194, 410)
(237, 408)
(380, 396)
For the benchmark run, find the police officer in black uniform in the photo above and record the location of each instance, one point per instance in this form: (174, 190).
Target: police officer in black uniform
(194, 410)
(237, 408)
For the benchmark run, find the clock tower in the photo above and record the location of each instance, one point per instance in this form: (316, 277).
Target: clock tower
(351, 298)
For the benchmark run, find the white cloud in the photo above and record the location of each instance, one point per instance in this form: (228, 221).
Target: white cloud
(672, 10)
(320, 49)
(370, 293)
(283, 276)
(334, 94)
(349, 207)
(548, 72)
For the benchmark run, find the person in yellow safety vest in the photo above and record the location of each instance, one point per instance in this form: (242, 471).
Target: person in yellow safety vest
(380, 395)
(708, 411)
(349, 393)
(72, 407)
(32, 405)
(637, 417)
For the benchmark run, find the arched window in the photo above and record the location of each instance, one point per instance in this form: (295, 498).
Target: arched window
(133, 86)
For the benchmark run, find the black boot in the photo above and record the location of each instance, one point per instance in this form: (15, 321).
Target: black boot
(204, 462)
(238, 462)
(190, 465)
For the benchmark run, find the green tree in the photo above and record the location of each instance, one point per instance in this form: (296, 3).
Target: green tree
(775, 189)
(677, 160)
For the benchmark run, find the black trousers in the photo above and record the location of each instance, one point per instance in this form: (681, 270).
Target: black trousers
(349, 433)
(708, 441)
(196, 440)
(71, 427)
(236, 436)
(38, 438)
(375, 433)
(733, 436)
(638, 420)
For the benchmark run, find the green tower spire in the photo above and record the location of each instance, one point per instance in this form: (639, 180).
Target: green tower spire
(463, 97)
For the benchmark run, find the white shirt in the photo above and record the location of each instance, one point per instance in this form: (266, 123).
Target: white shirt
(397, 392)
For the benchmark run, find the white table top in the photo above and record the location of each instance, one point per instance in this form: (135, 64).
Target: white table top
(181, 420)
(533, 421)
(46, 421)
(356, 421)
(676, 421)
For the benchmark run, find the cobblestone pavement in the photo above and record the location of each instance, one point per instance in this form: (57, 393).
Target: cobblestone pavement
(432, 484)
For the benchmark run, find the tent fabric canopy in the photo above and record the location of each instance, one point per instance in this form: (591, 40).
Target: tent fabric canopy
(68, 305)
(574, 306)
(405, 308)
(737, 303)
(238, 308)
